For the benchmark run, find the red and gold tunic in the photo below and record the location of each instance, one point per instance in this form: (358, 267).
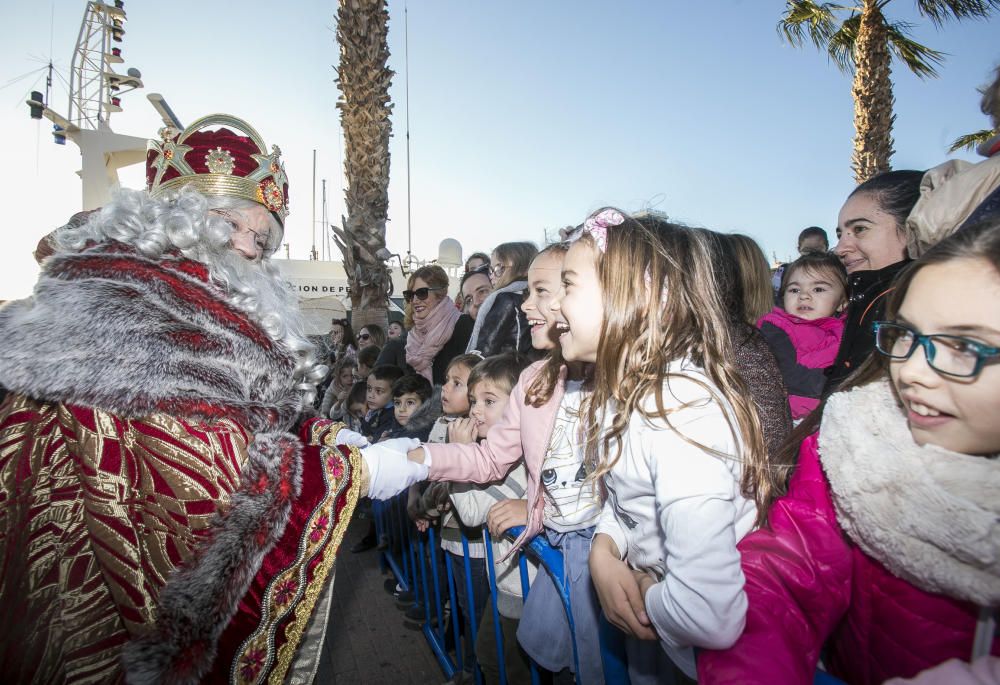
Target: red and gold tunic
(157, 521)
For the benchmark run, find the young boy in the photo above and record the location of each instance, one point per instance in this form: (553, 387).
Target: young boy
(410, 397)
(489, 386)
(380, 417)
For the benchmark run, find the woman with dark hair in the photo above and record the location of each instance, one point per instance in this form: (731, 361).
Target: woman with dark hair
(371, 335)
(871, 242)
(500, 324)
(341, 339)
(437, 332)
(884, 553)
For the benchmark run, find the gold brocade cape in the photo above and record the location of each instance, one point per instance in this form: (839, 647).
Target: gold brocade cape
(158, 522)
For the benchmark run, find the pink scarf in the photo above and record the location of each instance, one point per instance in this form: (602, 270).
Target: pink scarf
(428, 336)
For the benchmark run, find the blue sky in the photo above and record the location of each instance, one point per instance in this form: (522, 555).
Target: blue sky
(524, 116)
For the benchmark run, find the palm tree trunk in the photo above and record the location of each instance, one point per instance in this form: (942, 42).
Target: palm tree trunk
(364, 79)
(873, 99)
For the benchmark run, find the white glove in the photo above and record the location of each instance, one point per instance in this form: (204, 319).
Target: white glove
(389, 471)
(351, 439)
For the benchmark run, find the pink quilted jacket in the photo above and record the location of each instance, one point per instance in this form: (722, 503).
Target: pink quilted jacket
(812, 589)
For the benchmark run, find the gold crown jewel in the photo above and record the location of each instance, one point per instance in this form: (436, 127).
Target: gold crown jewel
(211, 162)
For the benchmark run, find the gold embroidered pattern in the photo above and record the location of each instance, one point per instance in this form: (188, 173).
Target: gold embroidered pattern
(291, 590)
(102, 509)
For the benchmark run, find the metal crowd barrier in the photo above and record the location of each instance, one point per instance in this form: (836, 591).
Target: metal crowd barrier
(415, 560)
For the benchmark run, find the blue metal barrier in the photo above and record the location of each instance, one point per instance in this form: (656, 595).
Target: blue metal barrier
(417, 562)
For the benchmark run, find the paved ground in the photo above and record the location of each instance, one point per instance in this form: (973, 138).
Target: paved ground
(367, 643)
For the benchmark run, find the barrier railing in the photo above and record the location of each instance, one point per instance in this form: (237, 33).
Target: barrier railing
(418, 564)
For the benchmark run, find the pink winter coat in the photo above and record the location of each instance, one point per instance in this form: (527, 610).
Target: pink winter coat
(810, 588)
(804, 349)
(522, 430)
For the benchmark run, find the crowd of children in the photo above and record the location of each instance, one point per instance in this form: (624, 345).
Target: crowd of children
(653, 445)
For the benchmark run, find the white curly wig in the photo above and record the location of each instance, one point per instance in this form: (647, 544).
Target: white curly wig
(181, 221)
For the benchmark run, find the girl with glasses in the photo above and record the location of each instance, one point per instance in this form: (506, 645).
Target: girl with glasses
(500, 324)
(885, 553)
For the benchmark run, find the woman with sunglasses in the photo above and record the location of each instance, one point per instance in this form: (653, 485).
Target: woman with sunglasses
(500, 324)
(437, 331)
(885, 553)
(370, 335)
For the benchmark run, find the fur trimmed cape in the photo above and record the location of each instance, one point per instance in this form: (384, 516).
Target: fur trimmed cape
(158, 523)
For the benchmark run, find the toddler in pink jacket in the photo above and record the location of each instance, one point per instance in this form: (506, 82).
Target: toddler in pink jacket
(804, 332)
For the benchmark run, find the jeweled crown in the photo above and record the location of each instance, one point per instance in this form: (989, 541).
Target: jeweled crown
(219, 162)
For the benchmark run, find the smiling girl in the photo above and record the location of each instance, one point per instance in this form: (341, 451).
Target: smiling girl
(540, 423)
(669, 432)
(885, 553)
(871, 243)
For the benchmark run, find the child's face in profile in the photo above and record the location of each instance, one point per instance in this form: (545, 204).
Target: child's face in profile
(379, 393)
(487, 402)
(813, 294)
(395, 330)
(454, 393)
(404, 406)
(357, 410)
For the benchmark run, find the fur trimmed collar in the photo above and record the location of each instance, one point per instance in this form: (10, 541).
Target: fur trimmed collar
(930, 516)
(109, 328)
(484, 309)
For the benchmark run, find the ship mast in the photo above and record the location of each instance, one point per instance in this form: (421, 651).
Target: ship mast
(95, 94)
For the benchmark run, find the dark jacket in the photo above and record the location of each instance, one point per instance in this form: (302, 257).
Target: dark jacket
(867, 291)
(756, 364)
(380, 422)
(454, 347)
(501, 326)
(394, 351)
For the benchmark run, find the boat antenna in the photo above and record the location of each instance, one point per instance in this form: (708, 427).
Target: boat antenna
(406, 72)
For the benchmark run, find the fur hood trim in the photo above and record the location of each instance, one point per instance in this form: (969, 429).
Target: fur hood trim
(930, 516)
(484, 310)
(426, 414)
(201, 598)
(109, 328)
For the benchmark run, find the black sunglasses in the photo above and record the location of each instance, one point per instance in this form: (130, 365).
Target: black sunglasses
(364, 336)
(420, 293)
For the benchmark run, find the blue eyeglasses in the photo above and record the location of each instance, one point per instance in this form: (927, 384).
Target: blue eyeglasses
(951, 355)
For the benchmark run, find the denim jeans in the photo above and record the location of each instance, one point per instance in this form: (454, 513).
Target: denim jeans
(480, 594)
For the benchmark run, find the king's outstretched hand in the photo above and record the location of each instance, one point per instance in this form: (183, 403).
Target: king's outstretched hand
(390, 472)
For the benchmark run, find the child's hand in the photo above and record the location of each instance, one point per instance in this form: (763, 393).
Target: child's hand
(462, 431)
(645, 580)
(422, 525)
(618, 590)
(506, 514)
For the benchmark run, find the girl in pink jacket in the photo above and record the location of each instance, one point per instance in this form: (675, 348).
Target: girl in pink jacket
(539, 423)
(883, 560)
(804, 332)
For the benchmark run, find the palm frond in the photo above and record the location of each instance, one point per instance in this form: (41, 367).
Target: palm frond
(805, 19)
(841, 45)
(970, 141)
(940, 11)
(920, 59)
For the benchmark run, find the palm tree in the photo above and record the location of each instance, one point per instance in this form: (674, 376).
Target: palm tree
(364, 78)
(861, 39)
(970, 141)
